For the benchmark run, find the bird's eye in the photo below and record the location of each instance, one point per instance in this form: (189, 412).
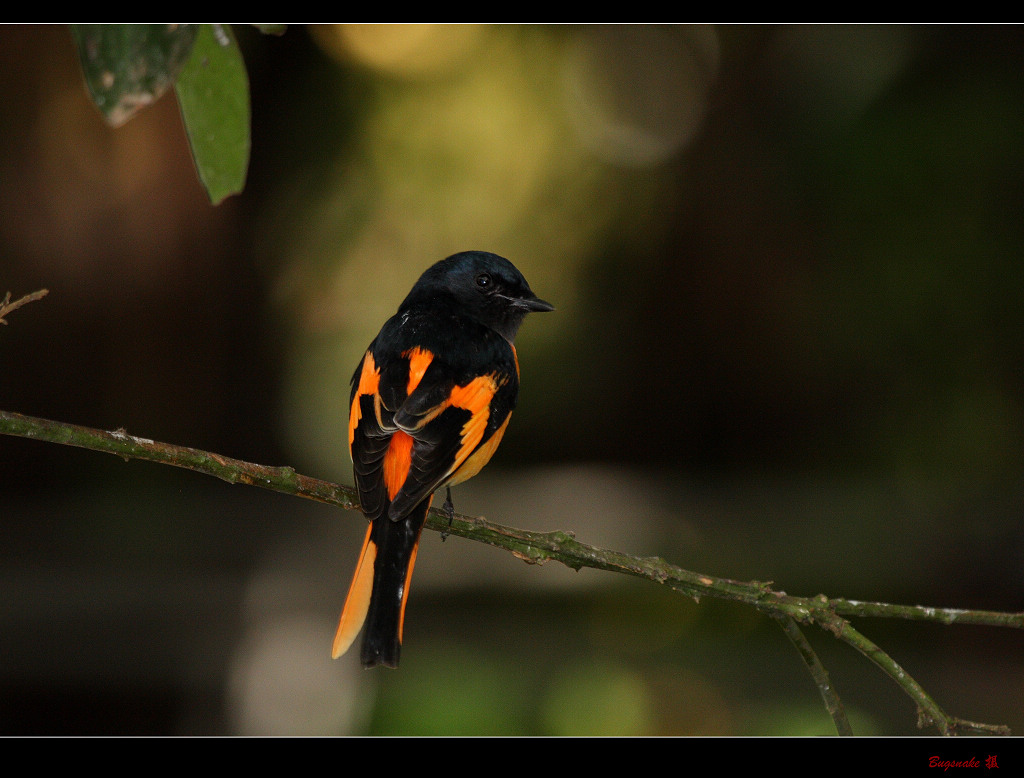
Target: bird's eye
(484, 282)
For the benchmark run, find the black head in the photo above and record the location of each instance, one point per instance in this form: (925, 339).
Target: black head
(483, 286)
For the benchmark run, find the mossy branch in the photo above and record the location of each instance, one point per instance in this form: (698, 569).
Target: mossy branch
(538, 547)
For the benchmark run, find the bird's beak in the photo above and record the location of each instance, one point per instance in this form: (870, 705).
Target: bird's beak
(536, 304)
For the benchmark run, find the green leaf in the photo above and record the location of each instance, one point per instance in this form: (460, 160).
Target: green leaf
(128, 66)
(213, 92)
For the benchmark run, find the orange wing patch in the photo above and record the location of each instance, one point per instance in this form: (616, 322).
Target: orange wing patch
(419, 361)
(480, 457)
(369, 383)
(474, 397)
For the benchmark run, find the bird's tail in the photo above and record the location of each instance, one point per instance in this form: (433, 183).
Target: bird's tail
(377, 596)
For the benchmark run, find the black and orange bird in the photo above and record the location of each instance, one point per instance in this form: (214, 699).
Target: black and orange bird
(430, 402)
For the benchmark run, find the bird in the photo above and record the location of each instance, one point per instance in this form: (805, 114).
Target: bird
(430, 401)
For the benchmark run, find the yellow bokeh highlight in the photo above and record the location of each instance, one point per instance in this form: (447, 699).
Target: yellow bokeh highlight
(403, 49)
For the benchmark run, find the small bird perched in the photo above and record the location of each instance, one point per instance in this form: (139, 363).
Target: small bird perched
(430, 402)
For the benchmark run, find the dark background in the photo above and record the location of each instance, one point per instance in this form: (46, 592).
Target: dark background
(788, 346)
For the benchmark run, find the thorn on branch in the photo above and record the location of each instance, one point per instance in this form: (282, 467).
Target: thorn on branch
(6, 306)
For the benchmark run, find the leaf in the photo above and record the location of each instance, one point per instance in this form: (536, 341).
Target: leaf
(213, 92)
(129, 66)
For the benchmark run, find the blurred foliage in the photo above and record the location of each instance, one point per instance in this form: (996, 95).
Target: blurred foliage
(129, 66)
(789, 346)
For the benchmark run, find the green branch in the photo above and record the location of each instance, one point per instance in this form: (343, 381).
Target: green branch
(829, 696)
(539, 547)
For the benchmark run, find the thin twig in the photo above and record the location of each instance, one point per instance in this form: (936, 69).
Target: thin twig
(6, 306)
(922, 613)
(829, 696)
(928, 711)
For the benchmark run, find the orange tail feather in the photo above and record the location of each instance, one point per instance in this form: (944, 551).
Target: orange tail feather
(357, 602)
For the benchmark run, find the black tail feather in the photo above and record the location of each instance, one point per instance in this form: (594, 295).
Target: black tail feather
(396, 543)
